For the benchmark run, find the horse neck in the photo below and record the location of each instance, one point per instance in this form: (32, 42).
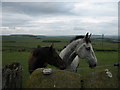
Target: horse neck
(65, 53)
(73, 45)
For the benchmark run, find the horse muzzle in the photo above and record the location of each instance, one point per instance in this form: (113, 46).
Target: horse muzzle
(92, 66)
(62, 67)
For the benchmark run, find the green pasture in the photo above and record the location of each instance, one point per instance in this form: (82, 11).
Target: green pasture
(16, 42)
(11, 45)
(31, 42)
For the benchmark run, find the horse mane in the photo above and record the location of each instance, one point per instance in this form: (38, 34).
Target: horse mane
(75, 38)
(79, 37)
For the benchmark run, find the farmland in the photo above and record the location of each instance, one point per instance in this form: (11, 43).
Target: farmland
(18, 48)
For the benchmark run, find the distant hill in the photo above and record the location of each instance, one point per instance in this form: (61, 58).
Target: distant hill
(40, 35)
(112, 37)
(23, 35)
(108, 37)
(99, 37)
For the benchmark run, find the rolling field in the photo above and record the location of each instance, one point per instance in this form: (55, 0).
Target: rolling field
(12, 44)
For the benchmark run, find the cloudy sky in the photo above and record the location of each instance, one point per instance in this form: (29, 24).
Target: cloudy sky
(60, 18)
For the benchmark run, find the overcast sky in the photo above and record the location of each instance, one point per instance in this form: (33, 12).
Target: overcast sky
(60, 18)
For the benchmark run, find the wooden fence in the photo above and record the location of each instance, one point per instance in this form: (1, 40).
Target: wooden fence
(12, 76)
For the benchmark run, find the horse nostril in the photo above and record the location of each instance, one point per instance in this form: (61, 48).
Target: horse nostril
(95, 65)
(92, 66)
(63, 67)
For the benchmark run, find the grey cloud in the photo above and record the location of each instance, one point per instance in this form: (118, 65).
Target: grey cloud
(23, 14)
(78, 28)
(36, 9)
(20, 13)
(13, 20)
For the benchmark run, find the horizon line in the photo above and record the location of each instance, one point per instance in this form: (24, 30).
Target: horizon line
(56, 35)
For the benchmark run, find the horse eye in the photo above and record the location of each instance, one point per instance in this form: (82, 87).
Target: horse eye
(88, 48)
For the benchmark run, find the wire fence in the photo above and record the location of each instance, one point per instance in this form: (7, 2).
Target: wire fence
(81, 68)
(100, 66)
(12, 76)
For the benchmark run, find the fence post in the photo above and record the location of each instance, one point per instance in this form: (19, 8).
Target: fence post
(12, 76)
(82, 84)
(118, 44)
(119, 76)
(102, 40)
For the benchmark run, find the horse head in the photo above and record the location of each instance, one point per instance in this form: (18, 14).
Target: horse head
(85, 51)
(54, 58)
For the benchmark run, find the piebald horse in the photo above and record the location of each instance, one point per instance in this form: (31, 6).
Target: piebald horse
(79, 48)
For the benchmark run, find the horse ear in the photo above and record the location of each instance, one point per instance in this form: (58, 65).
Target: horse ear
(89, 36)
(86, 38)
(52, 45)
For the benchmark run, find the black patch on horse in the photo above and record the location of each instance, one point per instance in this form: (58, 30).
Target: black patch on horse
(77, 37)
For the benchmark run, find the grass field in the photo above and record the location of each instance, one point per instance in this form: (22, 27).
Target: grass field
(11, 45)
